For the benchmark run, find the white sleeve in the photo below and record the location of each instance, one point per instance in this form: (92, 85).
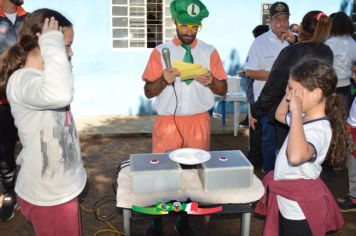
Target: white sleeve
(318, 137)
(253, 57)
(54, 88)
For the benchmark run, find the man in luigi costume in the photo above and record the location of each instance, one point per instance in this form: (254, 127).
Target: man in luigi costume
(182, 107)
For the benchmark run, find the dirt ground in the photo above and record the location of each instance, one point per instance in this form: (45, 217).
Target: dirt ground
(102, 154)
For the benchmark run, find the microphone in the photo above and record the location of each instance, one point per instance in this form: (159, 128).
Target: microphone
(167, 58)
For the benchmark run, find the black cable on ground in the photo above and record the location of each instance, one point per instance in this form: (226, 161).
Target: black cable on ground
(98, 206)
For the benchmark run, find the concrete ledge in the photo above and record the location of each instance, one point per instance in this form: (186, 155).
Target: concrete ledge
(128, 126)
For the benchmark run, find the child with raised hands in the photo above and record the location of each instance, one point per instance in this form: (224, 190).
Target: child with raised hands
(39, 90)
(299, 203)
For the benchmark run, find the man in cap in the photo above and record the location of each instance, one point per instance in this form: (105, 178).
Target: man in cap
(182, 106)
(261, 56)
(255, 135)
(11, 18)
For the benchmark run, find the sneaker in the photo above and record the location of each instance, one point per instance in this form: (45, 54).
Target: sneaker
(153, 232)
(185, 230)
(346, 205)
(7, 206)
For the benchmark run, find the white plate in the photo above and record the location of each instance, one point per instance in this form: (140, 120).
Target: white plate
(189, 156)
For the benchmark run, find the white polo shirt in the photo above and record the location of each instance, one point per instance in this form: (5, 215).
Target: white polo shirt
(261, 56)
(318, 133)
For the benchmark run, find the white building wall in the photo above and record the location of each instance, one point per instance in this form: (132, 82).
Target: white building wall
(108, 82)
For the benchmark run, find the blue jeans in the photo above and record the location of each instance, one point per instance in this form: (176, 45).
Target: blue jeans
(268, 144)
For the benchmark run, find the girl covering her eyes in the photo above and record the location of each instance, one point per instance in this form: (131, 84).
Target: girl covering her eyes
(317, 133)
(40, 90)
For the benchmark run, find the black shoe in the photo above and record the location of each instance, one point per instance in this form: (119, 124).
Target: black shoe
(8, 206)
(185, 230)
(346, 204)
(153, 232)
(244, 122)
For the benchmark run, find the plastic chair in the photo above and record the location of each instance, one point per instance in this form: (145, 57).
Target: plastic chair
(233, 86)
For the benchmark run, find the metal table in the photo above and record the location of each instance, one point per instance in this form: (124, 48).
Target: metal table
(228, 209)
(233, 200)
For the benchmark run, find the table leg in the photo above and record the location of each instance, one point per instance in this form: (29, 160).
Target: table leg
(245, 224)
(248, 121)
(223, 114)
(127, 219)
(236, 117)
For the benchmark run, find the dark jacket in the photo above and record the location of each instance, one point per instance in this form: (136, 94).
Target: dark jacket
(314, 198)
(9, 31)
(8, 36)
(275, 87)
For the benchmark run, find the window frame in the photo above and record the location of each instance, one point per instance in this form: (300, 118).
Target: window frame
(167, 31)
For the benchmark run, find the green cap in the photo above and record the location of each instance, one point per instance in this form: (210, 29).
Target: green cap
(188, 11)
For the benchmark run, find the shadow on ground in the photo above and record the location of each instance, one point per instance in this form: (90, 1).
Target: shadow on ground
(103, 154)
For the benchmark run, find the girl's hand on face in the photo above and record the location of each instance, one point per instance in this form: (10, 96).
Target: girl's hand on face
(287, 95)
(296, 101)
(49, 25)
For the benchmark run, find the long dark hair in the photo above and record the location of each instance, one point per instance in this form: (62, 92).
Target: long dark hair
(315, 73)
(315, 27)
(15, 57)
(342, 25)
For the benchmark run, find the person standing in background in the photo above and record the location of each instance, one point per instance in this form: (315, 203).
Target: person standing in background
(255, 152)
(294, 28)
(314, 30)
(348, 203)
(12, 16)
(261, 56)
(256, 32)
(344, 49)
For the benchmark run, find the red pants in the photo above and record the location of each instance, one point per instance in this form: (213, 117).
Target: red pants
(194, 129)
(63, 219)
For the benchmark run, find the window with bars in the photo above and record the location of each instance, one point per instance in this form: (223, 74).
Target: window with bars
(141, 23)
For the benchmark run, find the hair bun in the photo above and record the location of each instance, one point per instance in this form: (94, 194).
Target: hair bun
(28, 42)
